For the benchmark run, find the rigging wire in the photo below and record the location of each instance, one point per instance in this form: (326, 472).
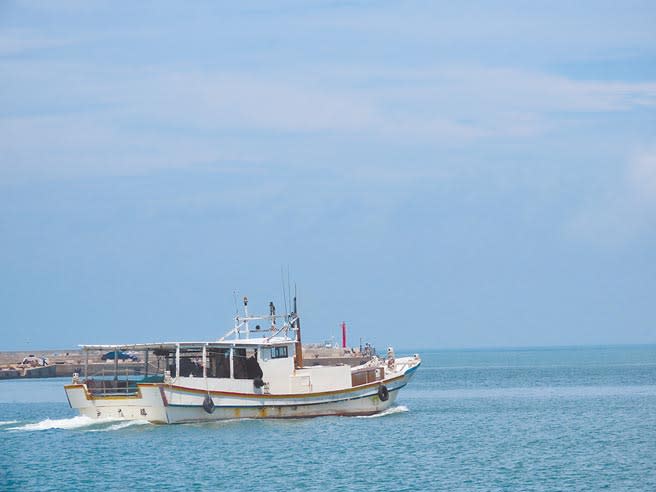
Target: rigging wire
(289, 293)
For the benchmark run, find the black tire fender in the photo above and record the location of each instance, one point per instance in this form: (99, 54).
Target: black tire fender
(208, 404)
(383, 393)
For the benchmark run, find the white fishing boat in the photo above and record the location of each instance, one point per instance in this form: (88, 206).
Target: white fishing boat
(248, 373)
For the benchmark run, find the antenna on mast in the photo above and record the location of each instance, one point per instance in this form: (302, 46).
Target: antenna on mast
(282, 283)
(234, 297)
(248, 331)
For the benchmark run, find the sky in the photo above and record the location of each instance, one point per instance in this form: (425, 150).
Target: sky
(435, 174)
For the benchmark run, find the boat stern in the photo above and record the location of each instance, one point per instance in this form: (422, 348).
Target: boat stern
(147, 403)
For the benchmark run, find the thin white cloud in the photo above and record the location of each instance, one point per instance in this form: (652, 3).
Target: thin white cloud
(507, 89)
(88, 111)
(73, 145)
(450, 103)
(642, 176)
(625, 211)
(65, 5)
(18, 41)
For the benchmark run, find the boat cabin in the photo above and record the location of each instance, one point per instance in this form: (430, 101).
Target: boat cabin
(245, 361)
(241, 366)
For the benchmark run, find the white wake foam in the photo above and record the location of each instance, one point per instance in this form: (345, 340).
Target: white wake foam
(121, 425)
(385, 413)
(78, 422)
(8, 422)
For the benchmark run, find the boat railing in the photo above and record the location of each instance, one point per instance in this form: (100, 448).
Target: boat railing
(405, 363)
(108, 382)
(131, 370)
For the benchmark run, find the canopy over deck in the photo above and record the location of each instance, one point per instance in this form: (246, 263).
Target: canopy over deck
(248, 342)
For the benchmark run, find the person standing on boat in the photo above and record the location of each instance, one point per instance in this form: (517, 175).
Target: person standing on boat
(253, 368)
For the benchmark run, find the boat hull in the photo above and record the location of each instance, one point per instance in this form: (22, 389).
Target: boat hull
(169, 403)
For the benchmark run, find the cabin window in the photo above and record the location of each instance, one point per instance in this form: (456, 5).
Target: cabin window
(245, 365)
(219, 363)
(191, 363)
(279, 352)
(239, 364)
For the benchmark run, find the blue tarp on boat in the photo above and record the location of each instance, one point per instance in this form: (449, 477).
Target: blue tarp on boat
(120, 355)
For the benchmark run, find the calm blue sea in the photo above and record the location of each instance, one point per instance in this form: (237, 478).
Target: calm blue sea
(512, 420)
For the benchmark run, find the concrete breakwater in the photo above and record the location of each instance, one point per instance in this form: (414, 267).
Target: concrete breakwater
(28, 372)
(59, 363)
(39, 363)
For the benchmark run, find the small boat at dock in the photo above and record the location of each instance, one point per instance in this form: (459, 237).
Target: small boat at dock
(251, 372)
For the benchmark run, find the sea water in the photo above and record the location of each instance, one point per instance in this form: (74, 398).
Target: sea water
(512, 420)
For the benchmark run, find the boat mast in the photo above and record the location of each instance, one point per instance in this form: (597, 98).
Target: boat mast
(248, 335)
(299, 346)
